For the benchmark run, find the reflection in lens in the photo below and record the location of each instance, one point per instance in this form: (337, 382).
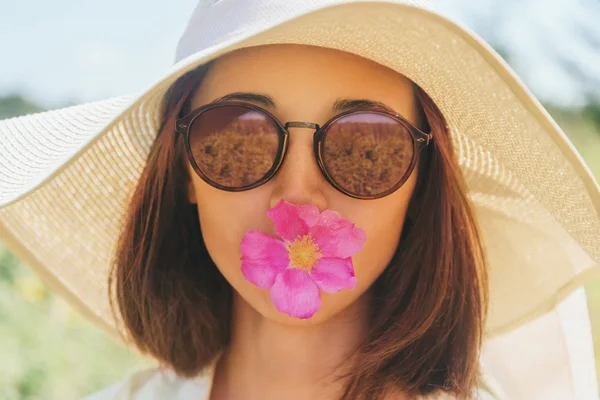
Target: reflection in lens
(367, 154)
(234, 146)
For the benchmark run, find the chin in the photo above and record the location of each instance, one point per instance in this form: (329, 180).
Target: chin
(333, 306)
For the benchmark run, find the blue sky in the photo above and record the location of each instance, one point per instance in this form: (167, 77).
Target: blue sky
(60, 51)
(82, 50)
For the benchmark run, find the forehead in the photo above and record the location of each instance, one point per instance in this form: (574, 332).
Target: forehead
(305, 80)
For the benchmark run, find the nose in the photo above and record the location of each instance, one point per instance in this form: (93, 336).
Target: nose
(299, 179)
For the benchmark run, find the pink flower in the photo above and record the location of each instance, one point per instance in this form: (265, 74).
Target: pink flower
(314, 253)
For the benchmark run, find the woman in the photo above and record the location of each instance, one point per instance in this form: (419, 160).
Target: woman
(297, 223)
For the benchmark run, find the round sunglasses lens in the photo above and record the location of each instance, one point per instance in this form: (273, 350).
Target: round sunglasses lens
(234, 146)
(367, 154)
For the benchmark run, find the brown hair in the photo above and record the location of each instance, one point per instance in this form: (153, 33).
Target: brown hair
(429, 305)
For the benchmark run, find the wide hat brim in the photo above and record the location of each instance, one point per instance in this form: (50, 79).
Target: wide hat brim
(66, 175)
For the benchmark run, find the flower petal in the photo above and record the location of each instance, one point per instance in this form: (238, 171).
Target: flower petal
(334, 274)
(336, 236)
(295, 294)
(293, 220)
(263, 257)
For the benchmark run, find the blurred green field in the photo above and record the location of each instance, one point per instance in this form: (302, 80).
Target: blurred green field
(48, 351)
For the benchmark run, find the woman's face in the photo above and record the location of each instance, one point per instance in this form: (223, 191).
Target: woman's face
(304, 82)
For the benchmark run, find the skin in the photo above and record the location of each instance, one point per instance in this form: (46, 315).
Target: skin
(274, 356)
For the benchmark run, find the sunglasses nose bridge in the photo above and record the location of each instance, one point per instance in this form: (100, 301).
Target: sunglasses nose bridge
(308, 125)
(299, 178)
(299, 124)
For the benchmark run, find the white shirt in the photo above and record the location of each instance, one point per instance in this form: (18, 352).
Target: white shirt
(162, 384)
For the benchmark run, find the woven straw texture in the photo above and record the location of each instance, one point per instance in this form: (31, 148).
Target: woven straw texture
(66, 175)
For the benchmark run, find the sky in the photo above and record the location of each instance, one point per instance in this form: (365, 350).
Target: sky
(554, 44)
(72, 51)
(81, 50)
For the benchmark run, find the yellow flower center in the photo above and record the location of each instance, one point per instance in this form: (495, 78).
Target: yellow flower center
(304, 253)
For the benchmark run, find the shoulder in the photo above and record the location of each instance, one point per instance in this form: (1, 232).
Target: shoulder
(155, 384)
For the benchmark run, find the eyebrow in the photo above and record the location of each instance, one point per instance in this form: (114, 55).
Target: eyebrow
(339, 105)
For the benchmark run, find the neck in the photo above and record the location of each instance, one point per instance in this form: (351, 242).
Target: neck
(268, 360)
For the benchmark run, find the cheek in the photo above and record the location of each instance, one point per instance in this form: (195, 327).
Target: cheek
(225, 217)
(383, 225)
(224, 221)
(382, 220)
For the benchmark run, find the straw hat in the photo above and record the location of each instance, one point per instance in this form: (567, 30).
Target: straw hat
(65, 175)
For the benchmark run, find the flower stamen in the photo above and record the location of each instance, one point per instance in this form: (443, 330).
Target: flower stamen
(304, 253)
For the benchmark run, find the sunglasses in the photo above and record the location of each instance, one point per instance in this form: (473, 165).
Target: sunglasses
(237, 146)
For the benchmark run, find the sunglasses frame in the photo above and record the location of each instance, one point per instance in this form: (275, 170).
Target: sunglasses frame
(420, 140)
